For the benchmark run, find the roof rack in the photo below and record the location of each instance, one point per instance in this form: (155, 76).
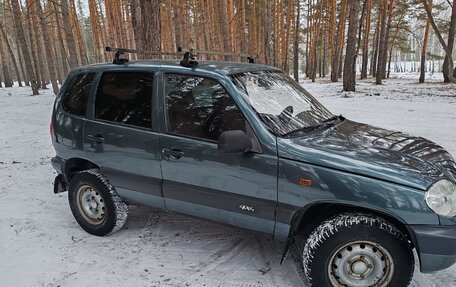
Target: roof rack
(189, 55)
(250, 58)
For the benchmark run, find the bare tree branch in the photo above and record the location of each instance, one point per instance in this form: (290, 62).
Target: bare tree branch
(440, 38)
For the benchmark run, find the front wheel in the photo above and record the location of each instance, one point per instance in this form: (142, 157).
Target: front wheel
(353, 249)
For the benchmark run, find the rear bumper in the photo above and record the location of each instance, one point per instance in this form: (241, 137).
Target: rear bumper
(57, 164)
(436, 246)
(60, 181)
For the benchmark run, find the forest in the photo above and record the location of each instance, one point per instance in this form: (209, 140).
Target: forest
(342, 40)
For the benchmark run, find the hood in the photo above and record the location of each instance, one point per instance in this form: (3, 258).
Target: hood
(374, 152)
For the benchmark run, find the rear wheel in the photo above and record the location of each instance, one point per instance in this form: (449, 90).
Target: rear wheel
(95, 204)
(355, 249)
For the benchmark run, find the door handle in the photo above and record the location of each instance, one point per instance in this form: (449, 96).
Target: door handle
(173, 153)
(96, 138)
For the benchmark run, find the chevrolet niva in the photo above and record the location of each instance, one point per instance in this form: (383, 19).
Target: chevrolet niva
(245, 145)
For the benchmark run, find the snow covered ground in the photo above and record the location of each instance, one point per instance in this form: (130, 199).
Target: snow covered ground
(42, 245)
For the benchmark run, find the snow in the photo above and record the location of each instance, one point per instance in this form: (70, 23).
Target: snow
(42, 245)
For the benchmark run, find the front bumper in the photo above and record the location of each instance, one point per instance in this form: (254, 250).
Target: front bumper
(435, 245)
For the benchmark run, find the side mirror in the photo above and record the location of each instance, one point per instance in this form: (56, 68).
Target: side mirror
(234, 141)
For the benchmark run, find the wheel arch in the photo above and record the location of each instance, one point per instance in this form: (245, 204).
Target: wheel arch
(306, 219)
(74, 165)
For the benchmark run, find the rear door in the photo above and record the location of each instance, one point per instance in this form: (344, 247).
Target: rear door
(120, 135)
(238, 189)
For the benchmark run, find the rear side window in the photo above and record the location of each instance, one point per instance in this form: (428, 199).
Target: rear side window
(75, 97)
(125, 97)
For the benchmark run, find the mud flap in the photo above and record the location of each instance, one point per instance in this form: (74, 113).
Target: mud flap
(286, 249)
(60, 185)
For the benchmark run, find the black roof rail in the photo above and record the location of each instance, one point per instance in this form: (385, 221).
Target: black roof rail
(189, 59)
(189, 55)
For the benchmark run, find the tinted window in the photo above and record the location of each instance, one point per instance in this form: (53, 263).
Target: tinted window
(200, 107)
(77, 93)
(125, 97)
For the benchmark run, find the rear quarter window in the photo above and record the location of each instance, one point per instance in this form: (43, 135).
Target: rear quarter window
(76, 95)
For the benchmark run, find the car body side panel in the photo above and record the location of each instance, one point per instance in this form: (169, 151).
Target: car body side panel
(216, 214)
(67, 135)
(205, 178)
(332, 186)
(128, 155)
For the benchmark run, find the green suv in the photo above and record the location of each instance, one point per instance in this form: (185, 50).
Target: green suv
(244, 144)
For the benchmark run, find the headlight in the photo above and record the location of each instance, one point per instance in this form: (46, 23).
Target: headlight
(441, 198)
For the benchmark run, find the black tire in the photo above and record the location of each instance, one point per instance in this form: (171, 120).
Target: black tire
(112, 213)
(342, 240)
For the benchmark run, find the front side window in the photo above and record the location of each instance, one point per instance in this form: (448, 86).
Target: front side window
(125, 97)
(282, 104)
(75, 97)
(200, 107)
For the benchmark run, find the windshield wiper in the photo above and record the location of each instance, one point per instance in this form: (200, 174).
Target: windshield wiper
(334, 119)
(326, 123)
(302, 130)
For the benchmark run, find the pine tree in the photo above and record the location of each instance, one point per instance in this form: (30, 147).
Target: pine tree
(24, 46)
(351, 53)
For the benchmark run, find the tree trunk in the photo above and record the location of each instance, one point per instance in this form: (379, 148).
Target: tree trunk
(77, 29)
(451, 32)
(361, 26)
(381, 50)
(96, 33)
(424, 48)
(64, 61)
(365, 46)
(286, 45)
(70, 43)
(35, 45)
(339, 44)
(150, 20)
(393, 43)
(6, 73)
(332, 28)
(296, 45)
(350, 55)
(224, 25)
(447, 50)
(387, 35)
(11, 54)
(48, 48)
(24, 47)
(375, 44)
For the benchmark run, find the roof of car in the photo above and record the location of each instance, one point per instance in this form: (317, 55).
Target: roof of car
(220, 67)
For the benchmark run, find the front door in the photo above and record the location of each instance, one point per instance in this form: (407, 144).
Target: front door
(237, 188)
(121, 138)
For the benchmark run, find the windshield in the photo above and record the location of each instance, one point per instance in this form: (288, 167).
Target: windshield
(282, 104)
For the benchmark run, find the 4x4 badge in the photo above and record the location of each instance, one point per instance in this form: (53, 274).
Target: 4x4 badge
(247, 208)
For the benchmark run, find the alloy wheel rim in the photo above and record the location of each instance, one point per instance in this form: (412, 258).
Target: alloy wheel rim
(361, 264)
